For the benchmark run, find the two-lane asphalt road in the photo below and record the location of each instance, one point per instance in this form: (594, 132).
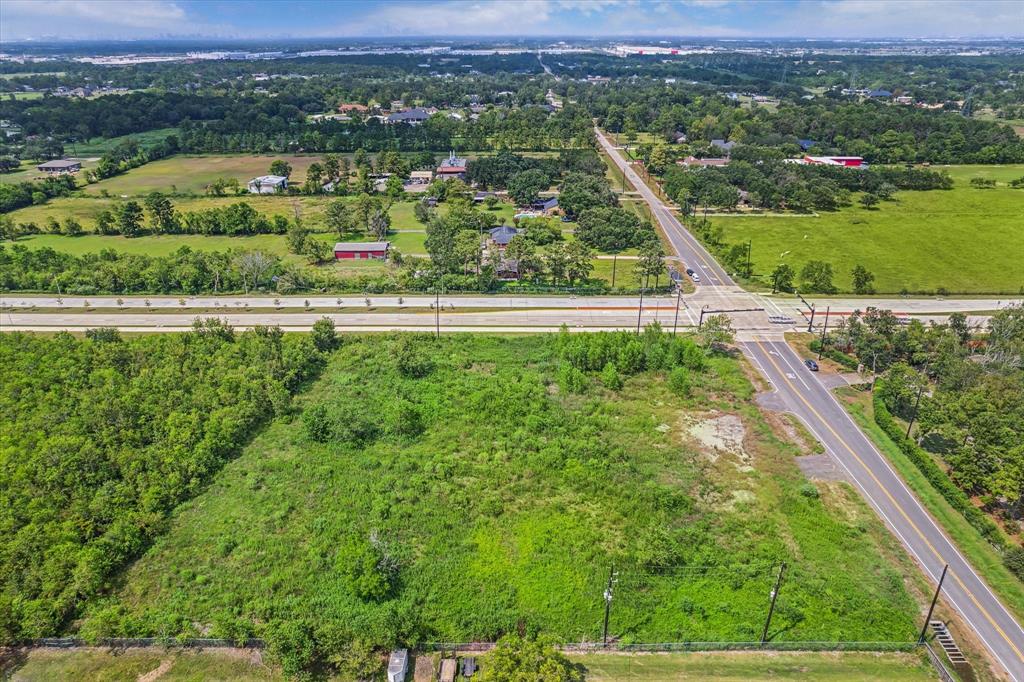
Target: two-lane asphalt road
(806, 397)
(801, 393)
(685, 244)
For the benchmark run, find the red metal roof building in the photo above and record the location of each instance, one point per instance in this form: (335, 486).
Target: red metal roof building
(361, 250)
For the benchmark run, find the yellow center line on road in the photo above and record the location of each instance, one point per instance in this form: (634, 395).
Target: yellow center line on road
(896, 504)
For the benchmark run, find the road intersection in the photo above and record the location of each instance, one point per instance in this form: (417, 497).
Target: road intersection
(805, 396)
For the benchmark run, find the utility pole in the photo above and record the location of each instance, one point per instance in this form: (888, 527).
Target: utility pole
(917, 402)
(608, 602)
(771, 607)
(675, 321)
(824, 330)
(810, 325)
(615, 261)
(641, 311)
(750, 244)
(928, 618)
(700, 322)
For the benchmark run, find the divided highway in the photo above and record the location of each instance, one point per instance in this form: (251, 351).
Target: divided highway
(803, 394)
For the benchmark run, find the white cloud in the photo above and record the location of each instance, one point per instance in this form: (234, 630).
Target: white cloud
(907, 18)
(91, 18)
(450, 18)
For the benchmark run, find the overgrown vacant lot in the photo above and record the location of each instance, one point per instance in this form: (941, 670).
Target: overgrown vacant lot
(965, 240)
(459, 489)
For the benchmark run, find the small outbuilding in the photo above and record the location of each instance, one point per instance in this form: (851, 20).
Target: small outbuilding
(398, 665)
(545, 204)
(449, 667)
(362, 250)
(60, 166)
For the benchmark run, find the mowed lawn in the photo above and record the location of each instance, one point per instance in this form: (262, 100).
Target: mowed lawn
(193, 173)
(963, 240)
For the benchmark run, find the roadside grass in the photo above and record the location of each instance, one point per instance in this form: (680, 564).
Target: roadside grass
(963, 240)
(103, 665)
(985, 559)
(746, 666)
(508, 508)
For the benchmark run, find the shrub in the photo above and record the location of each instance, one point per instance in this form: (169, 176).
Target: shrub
(679, 382)
(324, 337)
(317, 423)
(570, 379)
(810, 491)
(1014, 560)
(610, 377)
(411, 362)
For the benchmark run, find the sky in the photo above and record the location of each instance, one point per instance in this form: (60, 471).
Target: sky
(133, 19)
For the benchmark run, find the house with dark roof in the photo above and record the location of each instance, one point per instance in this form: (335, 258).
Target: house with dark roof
(805, 144)
(879, 93)
(501, 235)
(545, 204)
(410, 116)
(60, 166)
(723, 145)
(694, 162)
(481, 197)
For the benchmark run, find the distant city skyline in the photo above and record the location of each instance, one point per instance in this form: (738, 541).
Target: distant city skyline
(141, 19)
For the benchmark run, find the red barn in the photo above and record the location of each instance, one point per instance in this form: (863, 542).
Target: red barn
(361, 250)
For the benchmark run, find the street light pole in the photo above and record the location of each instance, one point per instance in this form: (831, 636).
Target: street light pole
(750, 245)
(810, 325)
(917, 402)
(437, 311)
(703, 309)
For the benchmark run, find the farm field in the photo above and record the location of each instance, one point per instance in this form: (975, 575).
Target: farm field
(496, 493)
(183, 173)
(963, 240)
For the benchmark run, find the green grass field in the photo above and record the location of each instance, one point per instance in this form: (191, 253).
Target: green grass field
(99, 146)
(743, 667)
(510, 504)
(104, 665)
(193, 173)
(964, 240)
(95, 665)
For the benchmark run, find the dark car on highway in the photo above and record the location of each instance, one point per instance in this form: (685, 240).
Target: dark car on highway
(811, 365)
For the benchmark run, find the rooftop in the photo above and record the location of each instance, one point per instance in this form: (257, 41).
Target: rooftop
(362, 246)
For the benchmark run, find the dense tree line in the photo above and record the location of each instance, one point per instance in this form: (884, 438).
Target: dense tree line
(21, 194)
(972, 393)
(104, 437)
(767, 182)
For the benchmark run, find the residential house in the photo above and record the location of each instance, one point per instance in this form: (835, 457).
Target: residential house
(723, 145)
(481, 197)
(60, 166)
(694, 162)
(879, 93)
(349, 107)
(411, 116)
(452, 167)
(501, 235)
(904, 99)
(362, 250)
(805, 144)
(268, 184)
(678, 137)
(545, 205)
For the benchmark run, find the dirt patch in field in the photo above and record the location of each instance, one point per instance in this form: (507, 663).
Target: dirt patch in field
(158, 672)
(719, 434)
